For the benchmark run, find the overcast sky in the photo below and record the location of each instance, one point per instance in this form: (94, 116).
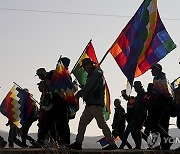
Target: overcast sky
(35, 33)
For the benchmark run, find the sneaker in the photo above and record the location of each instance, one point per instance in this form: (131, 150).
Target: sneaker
(75, 146)
(110, 147)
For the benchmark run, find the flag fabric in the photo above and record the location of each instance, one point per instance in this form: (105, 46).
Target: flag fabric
(175, 83)
(81, 76)
(107, 109)
(62, 84)
(143, 42)
(117, 139)
(17, 106)
(103, 141)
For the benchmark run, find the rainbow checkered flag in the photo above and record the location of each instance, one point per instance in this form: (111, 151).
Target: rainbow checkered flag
(142, 43)
(103, 141)
(17, 105)
(61, 84)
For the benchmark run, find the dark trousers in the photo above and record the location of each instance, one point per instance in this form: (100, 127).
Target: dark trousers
(120, 133)
(12, 138)
(129, 129)
(56, 116)
(156, 124)
(25, 130)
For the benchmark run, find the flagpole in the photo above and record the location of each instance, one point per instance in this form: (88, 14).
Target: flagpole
(108, 50)
(30, 95)
(103, 57)
(81, 55)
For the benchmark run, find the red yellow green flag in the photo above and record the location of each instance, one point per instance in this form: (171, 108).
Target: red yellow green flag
(81, 75)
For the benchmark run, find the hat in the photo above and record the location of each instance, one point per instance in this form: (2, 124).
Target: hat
(49, 75)
(65, 61)
(26, 90)
(137, 84)
(158, 66)
(41, 71)
(86, 61)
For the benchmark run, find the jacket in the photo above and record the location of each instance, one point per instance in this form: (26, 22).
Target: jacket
(93, 91)
(162, 85)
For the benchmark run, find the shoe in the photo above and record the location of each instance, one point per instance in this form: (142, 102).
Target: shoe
(121, 147)
(129, 146)
(155, 148)
(36, 144)
(110, 147)
(178, 149)
(166, 146)
(137, 147)
(75, 146)
(63, 147)
(3, 144)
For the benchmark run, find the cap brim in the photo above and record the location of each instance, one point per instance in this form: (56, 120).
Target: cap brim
(88, 63)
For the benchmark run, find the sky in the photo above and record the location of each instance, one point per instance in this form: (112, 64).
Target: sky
(35, 33)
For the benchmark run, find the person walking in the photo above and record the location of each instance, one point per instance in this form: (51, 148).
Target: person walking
(163, 89)
(93, 94)
(140, 112)
(119, 121)
(129, 117)
(13, 133)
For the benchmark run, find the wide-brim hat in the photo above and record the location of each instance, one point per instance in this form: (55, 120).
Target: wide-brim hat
(41, 71)
(87, 61)
(137, 84)
(157, 66)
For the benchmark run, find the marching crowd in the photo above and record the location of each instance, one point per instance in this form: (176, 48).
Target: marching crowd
(148, 112)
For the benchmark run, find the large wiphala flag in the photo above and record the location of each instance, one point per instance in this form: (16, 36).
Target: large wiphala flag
(143, 42)
(17, 105)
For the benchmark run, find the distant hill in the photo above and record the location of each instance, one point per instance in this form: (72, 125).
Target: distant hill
(91, 141)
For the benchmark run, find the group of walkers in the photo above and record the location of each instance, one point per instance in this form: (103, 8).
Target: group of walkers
(150, 109)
